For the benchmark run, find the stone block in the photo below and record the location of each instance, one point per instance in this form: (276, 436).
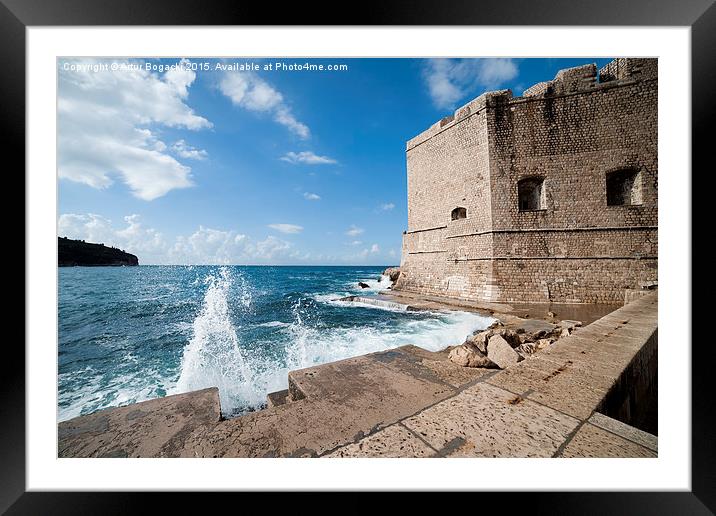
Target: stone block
(501, 353)
(592, 441)
(486, 421)
(391, 442)
(625, 431)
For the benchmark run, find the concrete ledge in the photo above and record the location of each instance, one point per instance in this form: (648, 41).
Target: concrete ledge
(154, 428)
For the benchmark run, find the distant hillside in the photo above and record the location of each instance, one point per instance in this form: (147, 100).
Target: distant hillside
(78, 252)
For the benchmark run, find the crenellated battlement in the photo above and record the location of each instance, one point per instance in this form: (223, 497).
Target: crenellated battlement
(569, 81)
(475, 106)
(629, 68)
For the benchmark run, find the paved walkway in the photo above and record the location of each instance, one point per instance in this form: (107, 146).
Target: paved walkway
(409, 402)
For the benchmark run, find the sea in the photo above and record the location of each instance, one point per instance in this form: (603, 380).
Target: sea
(129, 334)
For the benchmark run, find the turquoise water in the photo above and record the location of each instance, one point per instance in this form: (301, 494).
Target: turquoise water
(129, 334)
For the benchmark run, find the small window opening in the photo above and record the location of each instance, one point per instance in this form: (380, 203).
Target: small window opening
(530, 193)
(623, 188)
(458, 213)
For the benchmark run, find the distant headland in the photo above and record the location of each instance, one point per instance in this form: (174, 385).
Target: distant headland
(71, 253)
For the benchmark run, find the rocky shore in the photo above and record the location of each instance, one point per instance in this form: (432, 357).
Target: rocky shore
(501, 347)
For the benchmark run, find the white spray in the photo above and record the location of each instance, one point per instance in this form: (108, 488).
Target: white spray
(213, 357)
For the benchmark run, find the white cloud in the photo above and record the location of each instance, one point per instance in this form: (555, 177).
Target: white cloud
(204, 246)
(215, 246)
(249, 91)
(106, 126)
(363, 254)
(286, 228)
(186, 151)
(387, 206)
(308, 158)
(450, 80)
(134, 238)
(311, 196)
(284, 117)
(392, 253)
(355, 242)
(354, 231)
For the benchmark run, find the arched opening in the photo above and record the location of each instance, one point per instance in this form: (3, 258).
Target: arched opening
(623, 187)
(458, 213)
(531, 194)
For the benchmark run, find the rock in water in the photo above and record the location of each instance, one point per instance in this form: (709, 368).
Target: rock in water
(363, 285)
(468, 355)
(392, 273)
(501, 353)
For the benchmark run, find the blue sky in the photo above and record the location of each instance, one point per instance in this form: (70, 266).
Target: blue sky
(214, 166)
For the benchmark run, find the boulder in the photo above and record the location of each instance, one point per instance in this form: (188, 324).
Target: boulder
(479, 340)
(393, 273)
(363, 285)
(496, 324)
(511, 336)
(527, 348)
(571, 325)
(468, 355)
(501, 353)
(524, 337)
(543, 343)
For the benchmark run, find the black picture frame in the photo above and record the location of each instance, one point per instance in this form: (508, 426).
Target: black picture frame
(700, 15)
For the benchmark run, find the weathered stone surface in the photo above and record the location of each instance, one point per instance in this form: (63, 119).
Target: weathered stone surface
(468, 355)
(274, 399)
(629, 433)
(392, 272)
(534, 327)
(156, 428)
(340, 403)
(592, 441)
(542, 344)
(501, 353)
(576, 244)
(511, 336)
(393, 441)
(528, 348)
(485, 421)
(557, 386)
(456, 375)
(447, 371)
(570, 324)
(395, 376)
(479, 340)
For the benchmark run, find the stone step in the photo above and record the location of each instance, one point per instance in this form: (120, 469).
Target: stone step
(274, 399)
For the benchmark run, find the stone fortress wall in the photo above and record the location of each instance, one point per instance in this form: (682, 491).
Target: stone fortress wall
(551, 196)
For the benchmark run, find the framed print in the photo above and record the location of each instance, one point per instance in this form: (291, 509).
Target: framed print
(417, 252)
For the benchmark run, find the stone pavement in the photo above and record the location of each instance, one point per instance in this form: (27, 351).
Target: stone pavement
(544, 406)
(409, 402)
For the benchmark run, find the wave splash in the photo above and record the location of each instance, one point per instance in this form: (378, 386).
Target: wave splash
(213, 357)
